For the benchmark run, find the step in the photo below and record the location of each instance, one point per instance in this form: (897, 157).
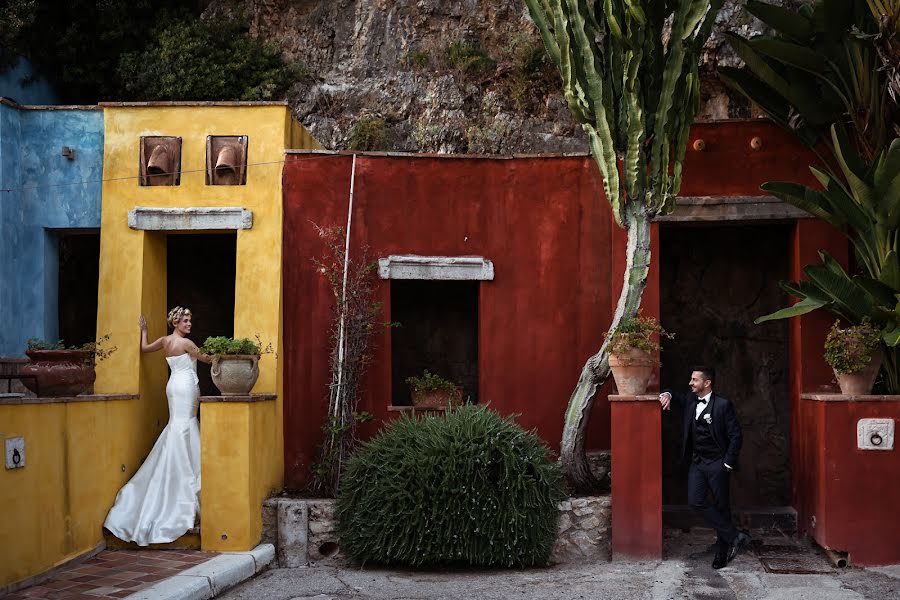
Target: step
(189, 541)
(781, 519)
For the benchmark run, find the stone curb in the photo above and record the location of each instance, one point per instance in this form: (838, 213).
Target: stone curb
(209, 579)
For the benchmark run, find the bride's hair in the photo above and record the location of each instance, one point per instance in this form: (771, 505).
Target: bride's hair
(176, 314)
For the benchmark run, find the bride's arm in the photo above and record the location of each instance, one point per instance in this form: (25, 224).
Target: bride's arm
(145, 347)
(194, 351)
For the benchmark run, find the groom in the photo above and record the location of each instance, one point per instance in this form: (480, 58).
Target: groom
(711, 441)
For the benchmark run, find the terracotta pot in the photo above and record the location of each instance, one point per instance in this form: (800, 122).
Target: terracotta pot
(59, 372)
(438, 399)
(861, 382)
(632, 371)
(235, 374)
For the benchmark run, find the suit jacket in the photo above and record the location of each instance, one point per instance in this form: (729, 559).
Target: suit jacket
(725, 427)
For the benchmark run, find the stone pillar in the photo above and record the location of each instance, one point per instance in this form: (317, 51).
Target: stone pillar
(636, 477)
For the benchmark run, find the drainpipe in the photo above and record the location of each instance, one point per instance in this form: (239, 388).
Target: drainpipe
(344, 288)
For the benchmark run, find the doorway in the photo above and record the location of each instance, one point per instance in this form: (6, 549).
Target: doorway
(200, 271)
(714, 281)
(78, 277)
(437, 330)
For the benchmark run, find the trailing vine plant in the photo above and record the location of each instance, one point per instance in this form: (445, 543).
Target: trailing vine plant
(354, 319)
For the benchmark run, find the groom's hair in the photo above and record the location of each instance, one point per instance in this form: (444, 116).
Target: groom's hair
(707, 372)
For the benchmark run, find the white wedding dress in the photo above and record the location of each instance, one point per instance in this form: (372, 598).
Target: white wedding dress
(161, 502)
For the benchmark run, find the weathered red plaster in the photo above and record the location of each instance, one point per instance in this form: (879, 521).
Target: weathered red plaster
(542, 221)
(636, 477)
(852, 493)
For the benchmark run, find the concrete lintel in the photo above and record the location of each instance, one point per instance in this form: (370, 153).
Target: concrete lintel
(440, 268)
(731, 208)
(187, 219)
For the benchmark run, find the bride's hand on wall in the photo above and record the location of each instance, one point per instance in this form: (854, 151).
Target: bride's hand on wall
(142, 323)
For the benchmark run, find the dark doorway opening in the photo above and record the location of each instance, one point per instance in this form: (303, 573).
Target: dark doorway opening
(714, 281)
(437, 331)
(79, 275)
(200, 276)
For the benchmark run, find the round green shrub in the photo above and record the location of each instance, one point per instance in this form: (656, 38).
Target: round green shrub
(469, 487)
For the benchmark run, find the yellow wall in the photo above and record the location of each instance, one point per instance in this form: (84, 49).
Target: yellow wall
(252, 434)
(56, 504)
(78, 455)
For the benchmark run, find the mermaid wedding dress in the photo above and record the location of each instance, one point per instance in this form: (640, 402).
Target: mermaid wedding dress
(161, 502)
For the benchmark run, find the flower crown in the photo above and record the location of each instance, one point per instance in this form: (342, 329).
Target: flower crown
(176, 314)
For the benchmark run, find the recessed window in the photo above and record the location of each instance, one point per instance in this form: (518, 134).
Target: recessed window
(226, 160)
(437, 330)
(160, 160)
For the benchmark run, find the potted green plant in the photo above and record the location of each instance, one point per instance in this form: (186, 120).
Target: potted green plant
(633, 347)
(854, 354)
(433, 391)
(56, 370)
(235, 364)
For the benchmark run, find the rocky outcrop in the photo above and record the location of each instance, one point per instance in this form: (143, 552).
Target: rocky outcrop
(464, 76)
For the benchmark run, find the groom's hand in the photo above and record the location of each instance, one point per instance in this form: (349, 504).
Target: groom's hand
(665, 400)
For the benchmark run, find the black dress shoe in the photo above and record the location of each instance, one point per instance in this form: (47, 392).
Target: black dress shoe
(721, 559)
(740, 542)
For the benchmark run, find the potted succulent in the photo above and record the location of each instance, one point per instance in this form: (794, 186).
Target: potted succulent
(433, 391)
(235, 364)
(56, 370)
(632, 348)
(854, 354)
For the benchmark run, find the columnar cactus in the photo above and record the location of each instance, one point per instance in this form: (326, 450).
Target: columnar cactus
(630, 76)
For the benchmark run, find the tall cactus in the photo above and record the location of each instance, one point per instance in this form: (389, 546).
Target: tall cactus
(630, 76)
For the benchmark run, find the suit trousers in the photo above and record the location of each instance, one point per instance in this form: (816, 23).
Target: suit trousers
(710, 477)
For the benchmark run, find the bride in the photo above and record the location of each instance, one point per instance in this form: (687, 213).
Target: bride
(161, 502)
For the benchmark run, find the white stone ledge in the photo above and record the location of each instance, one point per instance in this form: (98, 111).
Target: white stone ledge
(436, 268)
(190, 219)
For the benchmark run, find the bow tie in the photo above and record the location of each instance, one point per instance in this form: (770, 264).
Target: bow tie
(702, 401)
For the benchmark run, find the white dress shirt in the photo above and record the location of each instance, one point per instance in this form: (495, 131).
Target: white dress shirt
(702, 403)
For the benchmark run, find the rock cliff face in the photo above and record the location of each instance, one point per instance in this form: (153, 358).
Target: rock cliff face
(442, 75)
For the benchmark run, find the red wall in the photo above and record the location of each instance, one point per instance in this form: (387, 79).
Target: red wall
(542, 221)
(557, 254)
(853, 493)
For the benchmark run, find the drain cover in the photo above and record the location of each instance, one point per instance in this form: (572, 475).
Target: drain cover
(792, 559)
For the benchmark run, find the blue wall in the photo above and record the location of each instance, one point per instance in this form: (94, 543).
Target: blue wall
(47, 196)
(21, 84)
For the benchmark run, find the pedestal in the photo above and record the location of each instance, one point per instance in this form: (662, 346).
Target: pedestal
(636, 477)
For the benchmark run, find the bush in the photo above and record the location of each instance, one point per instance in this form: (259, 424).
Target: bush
(207, 60)
(369, 134)
(469, 488)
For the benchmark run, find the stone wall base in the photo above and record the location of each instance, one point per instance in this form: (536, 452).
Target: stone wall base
(304, 531)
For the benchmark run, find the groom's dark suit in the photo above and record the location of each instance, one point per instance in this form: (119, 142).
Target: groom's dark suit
(710, 442)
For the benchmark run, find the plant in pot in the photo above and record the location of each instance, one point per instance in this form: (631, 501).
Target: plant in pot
(632, 348)
(56, 370)
(235, 363)
(855, 355)
(433, 391)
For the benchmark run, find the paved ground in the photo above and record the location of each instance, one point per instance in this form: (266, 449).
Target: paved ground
(685, 574)
(113, 574)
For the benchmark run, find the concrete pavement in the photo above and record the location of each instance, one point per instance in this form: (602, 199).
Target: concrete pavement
(685, 574)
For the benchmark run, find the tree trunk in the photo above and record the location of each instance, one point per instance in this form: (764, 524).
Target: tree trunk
(572, 452)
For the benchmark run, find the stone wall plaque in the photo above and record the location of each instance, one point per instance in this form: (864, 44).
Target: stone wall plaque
(875, 434)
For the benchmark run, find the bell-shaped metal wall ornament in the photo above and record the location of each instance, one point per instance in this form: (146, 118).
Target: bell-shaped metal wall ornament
(160, 160)
(226, 160)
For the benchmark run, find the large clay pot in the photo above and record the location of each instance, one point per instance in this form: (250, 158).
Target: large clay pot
(235, 374)
(632, 371)
(861, 382)
(59, 372)
(436, 400)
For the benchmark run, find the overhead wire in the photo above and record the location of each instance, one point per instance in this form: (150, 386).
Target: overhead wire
(91, 181)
